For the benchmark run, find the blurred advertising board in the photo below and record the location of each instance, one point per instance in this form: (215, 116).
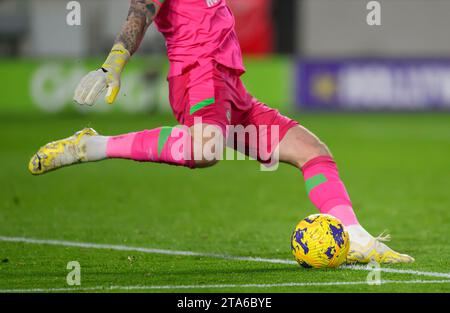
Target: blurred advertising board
(361, 84)
(48, 85)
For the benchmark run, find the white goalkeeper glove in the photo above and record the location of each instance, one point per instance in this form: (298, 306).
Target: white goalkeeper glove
(107, 77)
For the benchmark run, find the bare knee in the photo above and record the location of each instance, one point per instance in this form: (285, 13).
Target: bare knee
(300, 146)
(205, 163)
(318, 148)
(208, 145)
(308, 151)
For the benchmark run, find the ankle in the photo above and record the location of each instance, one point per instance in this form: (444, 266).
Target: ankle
(94, 147)
(358, 234)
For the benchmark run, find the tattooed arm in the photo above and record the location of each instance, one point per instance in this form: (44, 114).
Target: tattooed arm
(140, 16)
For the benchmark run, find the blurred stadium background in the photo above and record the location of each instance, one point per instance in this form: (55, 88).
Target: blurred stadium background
(300, 54)
(308, 58)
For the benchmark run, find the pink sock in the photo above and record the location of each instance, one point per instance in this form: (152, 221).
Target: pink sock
(171, 145)
(326, 190)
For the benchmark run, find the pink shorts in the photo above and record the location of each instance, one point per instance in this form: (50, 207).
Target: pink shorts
(217, 95)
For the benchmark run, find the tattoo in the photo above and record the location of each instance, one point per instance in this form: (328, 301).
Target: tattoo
(140, 16)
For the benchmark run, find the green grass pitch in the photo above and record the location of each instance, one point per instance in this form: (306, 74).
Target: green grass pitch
(396, 168)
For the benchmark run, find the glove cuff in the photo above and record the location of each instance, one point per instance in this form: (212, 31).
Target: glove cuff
(117, 59)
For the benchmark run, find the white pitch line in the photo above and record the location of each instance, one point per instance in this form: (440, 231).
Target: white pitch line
(202, 254)
(140, 249)
(397, 271)
(220, 286)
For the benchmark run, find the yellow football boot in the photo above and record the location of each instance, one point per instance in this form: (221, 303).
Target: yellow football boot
(60, 153)
(375, 250)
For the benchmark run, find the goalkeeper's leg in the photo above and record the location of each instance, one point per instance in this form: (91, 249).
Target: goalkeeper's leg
(180, 146)
(327, 192)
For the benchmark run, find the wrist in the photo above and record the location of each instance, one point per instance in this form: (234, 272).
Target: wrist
(117, 59)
